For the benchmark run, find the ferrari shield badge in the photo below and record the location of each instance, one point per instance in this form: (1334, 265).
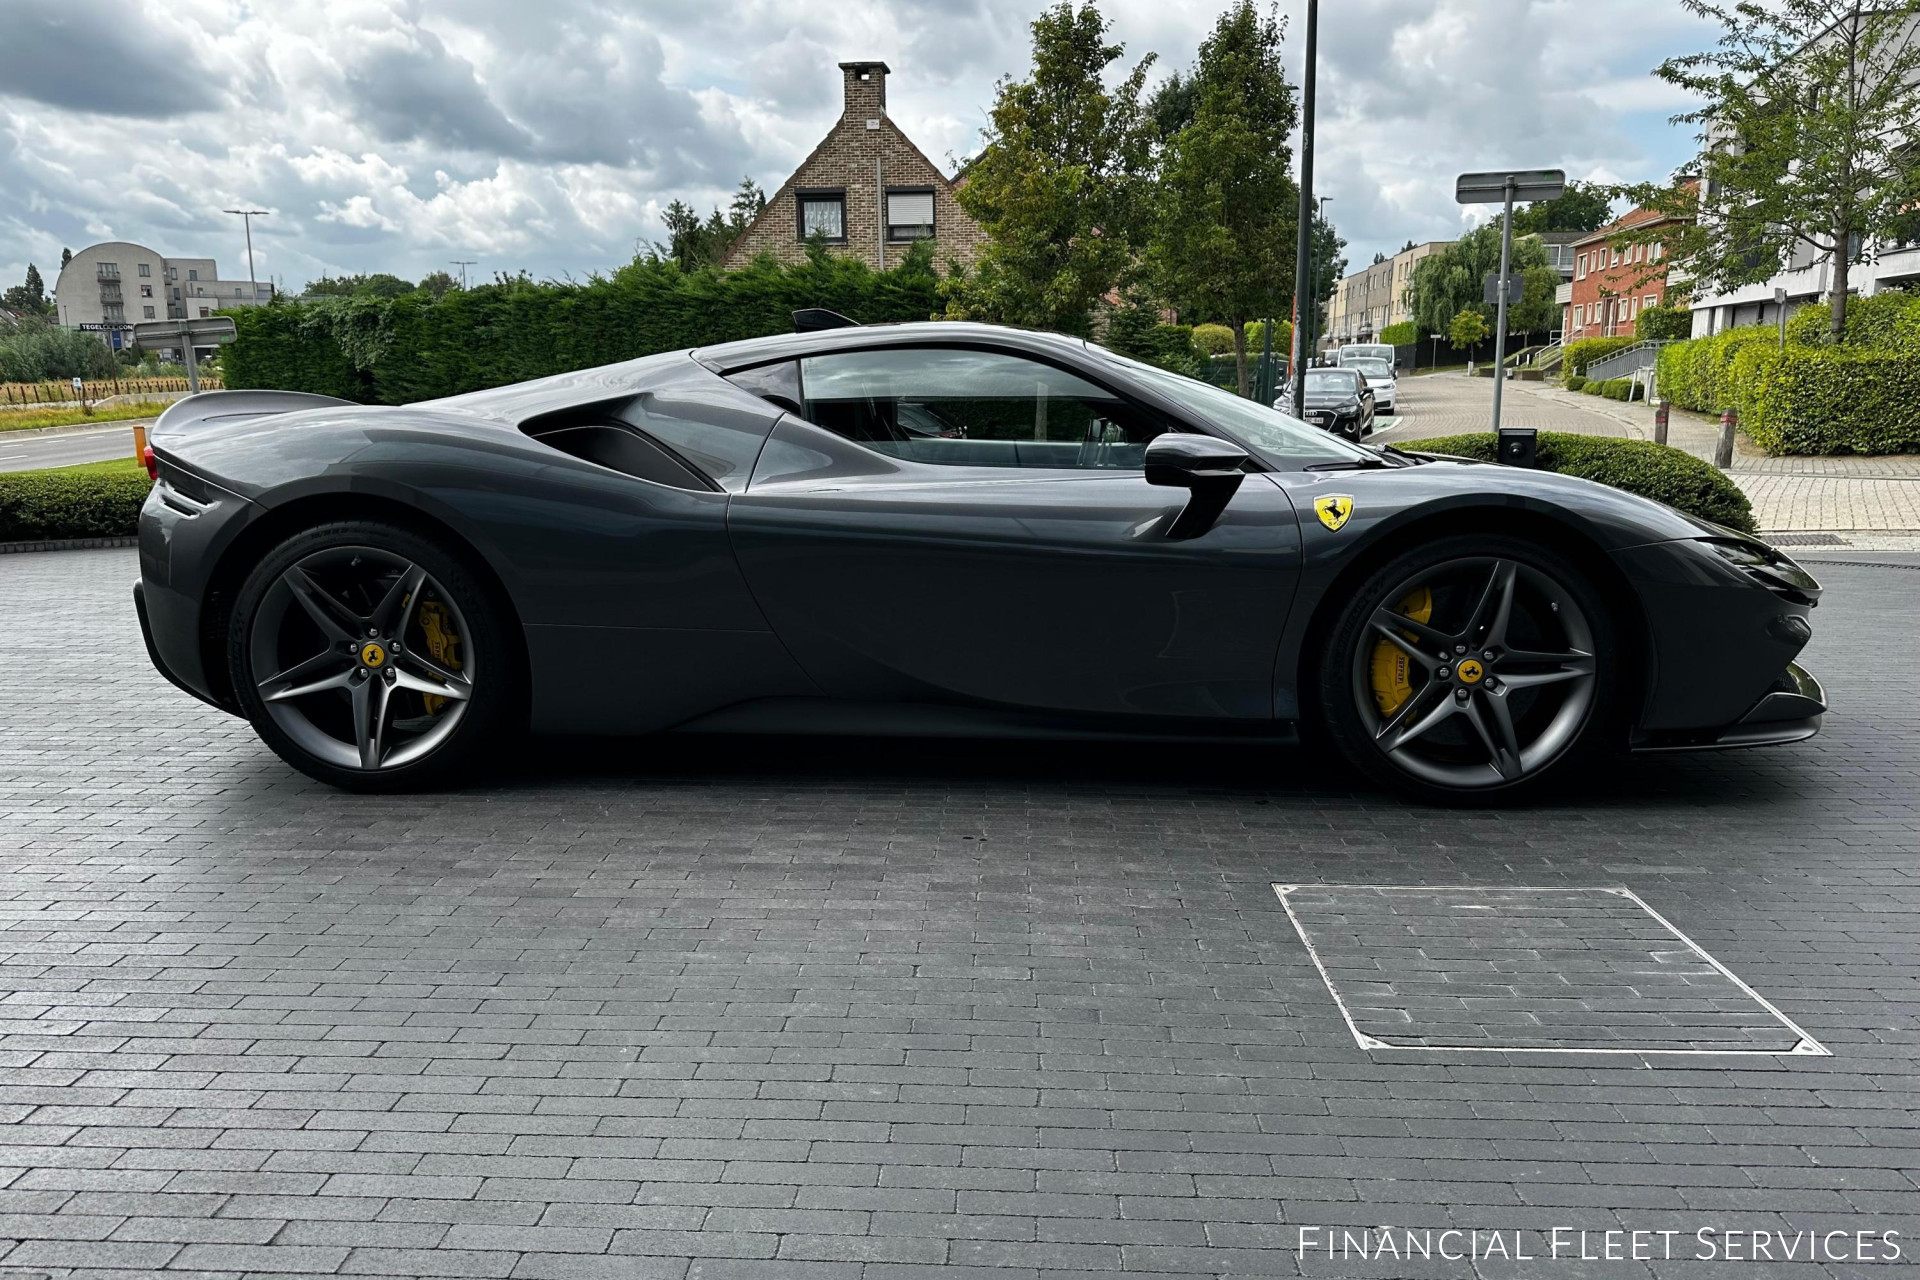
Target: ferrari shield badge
(1333, 509)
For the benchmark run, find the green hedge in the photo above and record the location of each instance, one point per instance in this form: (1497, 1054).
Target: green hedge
(1638, 466)
(37, 505)
(399, 350)
(1585, 351)
(1576, 382)
(1611, 388)
(1404, 334)
(1668, 323)
(1815, 398)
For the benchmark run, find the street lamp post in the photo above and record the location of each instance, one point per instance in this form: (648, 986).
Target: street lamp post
(463, 264)
(1302, 250)
(247, 216)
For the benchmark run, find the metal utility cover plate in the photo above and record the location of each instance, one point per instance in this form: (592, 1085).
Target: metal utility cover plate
(1527, 970)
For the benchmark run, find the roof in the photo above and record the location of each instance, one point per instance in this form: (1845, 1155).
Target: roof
(1627, 222)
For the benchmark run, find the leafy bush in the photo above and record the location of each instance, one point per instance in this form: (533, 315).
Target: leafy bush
(1697, 374)
(1576, 381)
(1282, 337)
(1135, 332)
(1585, 351)
(1826, 400)
(71, 503)
(399, 350)
(1214, 339)
(41, 352)
(1651, 470)
(1663, 323)
(1404, 334)
(1880, 320)
(1611, 388)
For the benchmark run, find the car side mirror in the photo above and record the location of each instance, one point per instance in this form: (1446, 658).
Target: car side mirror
(1208, 467)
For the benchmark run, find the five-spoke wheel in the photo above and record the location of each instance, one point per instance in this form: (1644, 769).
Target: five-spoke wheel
(361, 653)
(1470, 665)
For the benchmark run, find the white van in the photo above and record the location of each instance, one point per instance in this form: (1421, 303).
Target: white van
(1364, 351)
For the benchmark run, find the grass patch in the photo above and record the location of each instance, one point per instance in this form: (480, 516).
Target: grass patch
(70, 415)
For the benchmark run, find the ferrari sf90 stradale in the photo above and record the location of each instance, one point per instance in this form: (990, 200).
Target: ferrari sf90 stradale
(933, 529)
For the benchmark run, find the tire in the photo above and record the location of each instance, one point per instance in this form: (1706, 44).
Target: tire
(373, 658)
(1523, 696)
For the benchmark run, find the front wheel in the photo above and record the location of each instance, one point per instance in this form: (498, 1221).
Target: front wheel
(371, 657)
(1474, 665)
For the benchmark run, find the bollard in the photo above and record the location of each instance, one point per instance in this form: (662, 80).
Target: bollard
(1723, 449)
(1660, 422)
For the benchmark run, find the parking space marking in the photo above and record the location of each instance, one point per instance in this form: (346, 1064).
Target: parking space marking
(1803, 1045)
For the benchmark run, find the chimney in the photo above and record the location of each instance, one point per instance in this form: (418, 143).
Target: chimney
(866, 89)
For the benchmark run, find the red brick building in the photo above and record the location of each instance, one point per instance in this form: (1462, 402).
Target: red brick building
(866, 190)
(1611, 287)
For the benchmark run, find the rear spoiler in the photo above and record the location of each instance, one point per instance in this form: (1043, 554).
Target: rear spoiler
(183, 416)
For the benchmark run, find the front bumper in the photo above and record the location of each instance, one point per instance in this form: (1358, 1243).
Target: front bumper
(1789, 711)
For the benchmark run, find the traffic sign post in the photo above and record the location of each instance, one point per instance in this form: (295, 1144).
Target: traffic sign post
(153, 335)
(1504, 188)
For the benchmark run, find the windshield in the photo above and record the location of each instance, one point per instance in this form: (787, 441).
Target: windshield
(1266, 431)
(1330, 382)
(1372, 368)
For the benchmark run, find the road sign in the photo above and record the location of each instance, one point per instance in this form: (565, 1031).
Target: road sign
(150, 335)
(1519, 184)
(208, 332)
(1490, 288)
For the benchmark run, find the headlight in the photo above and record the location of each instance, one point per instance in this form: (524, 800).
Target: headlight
(1744, 554)
(1768, 568)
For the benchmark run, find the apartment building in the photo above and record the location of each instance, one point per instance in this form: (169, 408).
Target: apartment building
(1374, 297)
(112, 286)
(1612, 286)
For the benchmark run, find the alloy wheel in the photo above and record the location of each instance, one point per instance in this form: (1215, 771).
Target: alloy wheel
(1475, 673)
(362, 658)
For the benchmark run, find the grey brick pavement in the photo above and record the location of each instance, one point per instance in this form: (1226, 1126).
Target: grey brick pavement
(819, 1010)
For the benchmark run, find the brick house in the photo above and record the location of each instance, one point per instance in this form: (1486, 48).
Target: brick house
(1611, 287)
(867, 189)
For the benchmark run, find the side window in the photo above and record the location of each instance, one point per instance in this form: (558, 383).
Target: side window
(973, 409)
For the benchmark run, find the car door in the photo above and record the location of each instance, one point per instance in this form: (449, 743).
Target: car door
(942, 523)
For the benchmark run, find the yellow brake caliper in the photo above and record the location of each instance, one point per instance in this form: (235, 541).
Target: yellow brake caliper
(442, 643)
(1391, 686)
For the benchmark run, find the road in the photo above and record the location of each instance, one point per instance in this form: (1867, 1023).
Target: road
(871, 1011)
(38, 450)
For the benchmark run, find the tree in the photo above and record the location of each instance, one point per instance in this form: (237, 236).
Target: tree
(66, 256)
(30, 297)
(377, 285)
(1809, 141)
(1453, 280)
(1467, 329)
(1226, 200)
(437, 284)
(1586, 206)
(1057, 187)
(693, 243)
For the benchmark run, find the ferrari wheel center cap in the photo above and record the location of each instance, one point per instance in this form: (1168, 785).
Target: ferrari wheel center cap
(373, 654)
(1469, 671)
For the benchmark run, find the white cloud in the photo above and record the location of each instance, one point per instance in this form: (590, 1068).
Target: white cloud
(397, 134)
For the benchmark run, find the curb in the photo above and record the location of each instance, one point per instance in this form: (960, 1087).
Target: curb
(67, 544)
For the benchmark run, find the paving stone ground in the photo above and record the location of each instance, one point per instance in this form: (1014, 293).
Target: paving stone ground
(1870, 497)
(858, 1011)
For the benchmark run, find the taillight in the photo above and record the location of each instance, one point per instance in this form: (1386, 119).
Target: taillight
(151, 463)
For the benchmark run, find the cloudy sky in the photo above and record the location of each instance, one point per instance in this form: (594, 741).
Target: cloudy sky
(396, 135)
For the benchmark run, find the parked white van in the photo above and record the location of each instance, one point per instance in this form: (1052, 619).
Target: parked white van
(1364, 351)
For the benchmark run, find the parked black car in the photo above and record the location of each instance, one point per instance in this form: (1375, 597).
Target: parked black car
(935, 529)
(1340, 401)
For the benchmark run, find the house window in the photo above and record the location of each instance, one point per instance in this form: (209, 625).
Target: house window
(146, 291)
(205, 312)
(192, 274)
(1654, 251)
(239, 291)
(1580, 267)
(822, 213)
(1651, 300)
(109, 271)
(910, 213)
(173, 273)
(148, 311)
(144, 270)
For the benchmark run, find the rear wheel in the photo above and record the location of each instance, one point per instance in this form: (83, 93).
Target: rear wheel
(1473, 666)
(370, 657)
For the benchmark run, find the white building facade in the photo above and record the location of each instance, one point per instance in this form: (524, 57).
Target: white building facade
(115, 285)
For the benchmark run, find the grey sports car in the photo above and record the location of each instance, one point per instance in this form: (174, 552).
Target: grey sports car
(935, 529)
